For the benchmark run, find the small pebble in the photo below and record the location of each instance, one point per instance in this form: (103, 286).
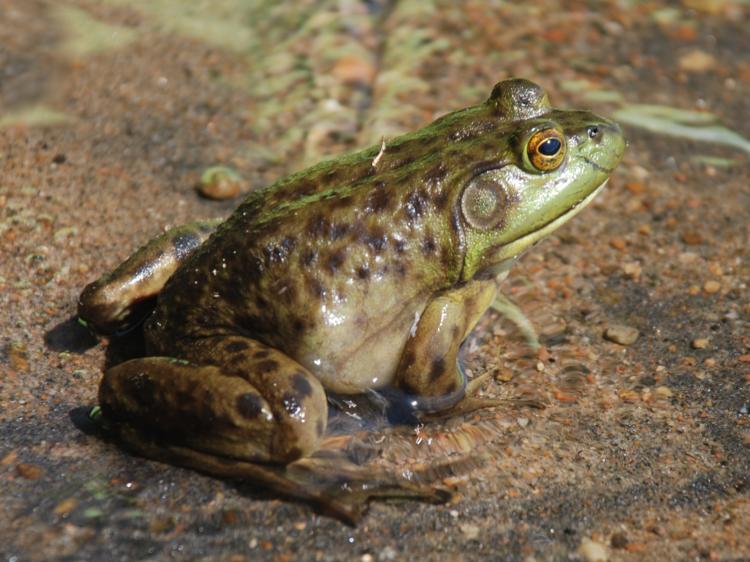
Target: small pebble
(65, 506)
(593, 551)
(523, 422)
(697, 61)
(504, 376)
(29, 471)
(619, 540)
(219, 183)
(623, 335)
(699, 343)
(663, 392)
(692, 238)
(388, 553)
(618, 243)
(711, 287)
(469, 530)
(632, 269)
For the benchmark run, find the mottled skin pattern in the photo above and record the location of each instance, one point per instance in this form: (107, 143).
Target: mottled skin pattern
(359, 273)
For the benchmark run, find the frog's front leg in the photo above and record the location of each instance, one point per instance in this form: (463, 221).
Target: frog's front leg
(235, 398)
(429, 371)
(119, 300)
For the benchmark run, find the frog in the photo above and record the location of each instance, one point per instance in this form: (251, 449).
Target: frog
(364, 273)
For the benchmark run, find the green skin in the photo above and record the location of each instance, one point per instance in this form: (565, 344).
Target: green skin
(363, 272)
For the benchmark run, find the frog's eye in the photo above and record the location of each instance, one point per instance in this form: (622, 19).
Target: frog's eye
(546, 150)
(484, 201)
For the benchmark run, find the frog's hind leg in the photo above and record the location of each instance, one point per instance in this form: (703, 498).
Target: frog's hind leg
(235, 398)
(245, 411)
(119, 300)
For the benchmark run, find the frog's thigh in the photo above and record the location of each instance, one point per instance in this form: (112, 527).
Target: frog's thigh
(111, 303)
(428, 366)
(258, 405)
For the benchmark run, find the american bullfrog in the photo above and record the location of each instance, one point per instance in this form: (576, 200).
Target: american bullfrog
(363, 272)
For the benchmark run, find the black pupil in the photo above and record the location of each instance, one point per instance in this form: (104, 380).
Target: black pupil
(550, 147)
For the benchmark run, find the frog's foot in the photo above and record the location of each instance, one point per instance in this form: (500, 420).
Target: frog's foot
(508, 309)
(332, 484)
(472, 403)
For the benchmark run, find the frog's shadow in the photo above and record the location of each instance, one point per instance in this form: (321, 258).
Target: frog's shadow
(71, 336)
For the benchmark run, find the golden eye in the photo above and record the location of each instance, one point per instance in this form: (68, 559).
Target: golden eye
(546, 150)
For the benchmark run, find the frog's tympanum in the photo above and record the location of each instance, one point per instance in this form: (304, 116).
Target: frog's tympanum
(364, 272)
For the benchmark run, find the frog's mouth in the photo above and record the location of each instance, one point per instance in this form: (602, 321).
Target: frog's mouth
(511, 251)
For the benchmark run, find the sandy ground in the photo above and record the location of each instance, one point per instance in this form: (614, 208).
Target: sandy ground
(109, 112)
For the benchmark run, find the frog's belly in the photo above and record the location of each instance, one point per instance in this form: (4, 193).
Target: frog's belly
(362, 352)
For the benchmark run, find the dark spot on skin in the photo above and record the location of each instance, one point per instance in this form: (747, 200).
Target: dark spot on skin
(452, 387)
(236, 346)
(184, 244)
(261, 354)
(308, 257)
(376, 239)
(408, 358)
(437, 370)
(275, 253)
(441, 200)
(266, 366)
(363, 272)
(305, 187)
(315, 288)
(288, 244)
(402, 163)
(341, 202)
(298, 326)
(436, 174)
(378, 199)
(142, 388)
(416, 205)
(320, 427)
(249, 405)
(400, 246)
(252, 269)
(206, 228)
(401, 269)
(235, 363)
(428, 245)
(301, 385)
(261, 302)
(315, 226)
(446, 260)
(338, 230)
(335, 260)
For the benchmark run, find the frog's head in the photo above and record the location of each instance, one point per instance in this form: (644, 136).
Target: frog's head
(549, 164)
